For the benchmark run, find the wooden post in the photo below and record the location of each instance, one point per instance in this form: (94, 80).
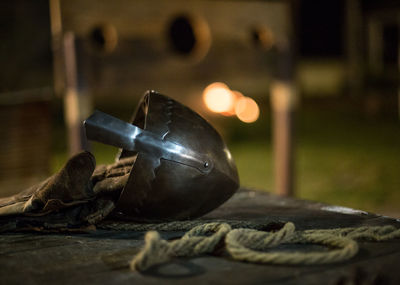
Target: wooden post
(354, 46)
(375, 46)
(283, 103)
(77, 103)
(57, 47)
(398, 66)
(283, 100)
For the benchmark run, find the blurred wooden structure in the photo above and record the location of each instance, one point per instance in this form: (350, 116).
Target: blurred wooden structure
(77, 101)
(25, 94)
(382, 36)
(176, 48)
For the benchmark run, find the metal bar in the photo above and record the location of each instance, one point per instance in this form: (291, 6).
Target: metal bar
(106, 129)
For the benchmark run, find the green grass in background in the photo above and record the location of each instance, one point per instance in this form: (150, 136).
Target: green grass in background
(254, 162)
(341, 158)
(356, 175)
(349, 159)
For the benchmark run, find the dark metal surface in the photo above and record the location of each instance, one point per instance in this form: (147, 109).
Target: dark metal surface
(183, 168)
(102, 257)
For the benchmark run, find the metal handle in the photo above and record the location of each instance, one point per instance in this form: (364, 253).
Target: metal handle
(104, 128)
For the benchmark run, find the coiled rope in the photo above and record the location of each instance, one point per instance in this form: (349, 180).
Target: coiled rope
(250, 245)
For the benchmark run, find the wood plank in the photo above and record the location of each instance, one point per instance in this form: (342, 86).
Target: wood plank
(103, 256)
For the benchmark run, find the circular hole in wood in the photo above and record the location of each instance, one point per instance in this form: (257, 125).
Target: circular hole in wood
(262, 37)
(104, 38)
(189, 36)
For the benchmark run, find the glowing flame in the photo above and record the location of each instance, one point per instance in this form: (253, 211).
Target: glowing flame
(218, 97)
(247, 110)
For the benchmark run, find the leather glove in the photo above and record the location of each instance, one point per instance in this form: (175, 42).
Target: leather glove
(78, 195)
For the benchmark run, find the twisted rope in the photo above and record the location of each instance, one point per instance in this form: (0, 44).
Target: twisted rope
(194, 242)
(257, 246)
(248, 245)
(178, 225)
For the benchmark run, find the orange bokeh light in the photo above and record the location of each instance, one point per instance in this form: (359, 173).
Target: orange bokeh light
(218, 98)
(247, 110)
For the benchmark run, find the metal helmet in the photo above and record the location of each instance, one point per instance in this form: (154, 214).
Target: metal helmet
(183, 169)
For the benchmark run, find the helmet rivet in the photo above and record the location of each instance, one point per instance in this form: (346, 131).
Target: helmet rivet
(206, 164)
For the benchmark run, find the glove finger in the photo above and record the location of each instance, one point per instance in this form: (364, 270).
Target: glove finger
(127, 161)
(119, 168)
(72, 182)
(99, 173)
(120, 171)
(111, 185)
(69, 186)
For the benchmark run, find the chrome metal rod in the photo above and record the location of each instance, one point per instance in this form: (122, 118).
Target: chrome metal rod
(106, 129)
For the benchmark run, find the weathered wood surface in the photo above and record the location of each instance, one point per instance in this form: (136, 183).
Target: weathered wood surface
(102, 257)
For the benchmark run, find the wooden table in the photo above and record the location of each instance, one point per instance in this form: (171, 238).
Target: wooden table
(102, 257)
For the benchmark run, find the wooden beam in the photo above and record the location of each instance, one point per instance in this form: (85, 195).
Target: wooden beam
(77, 102)
(57, 47)
(283, 101)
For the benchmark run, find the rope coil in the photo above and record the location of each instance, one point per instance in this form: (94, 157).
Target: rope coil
(194, 242)
(255, 246)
